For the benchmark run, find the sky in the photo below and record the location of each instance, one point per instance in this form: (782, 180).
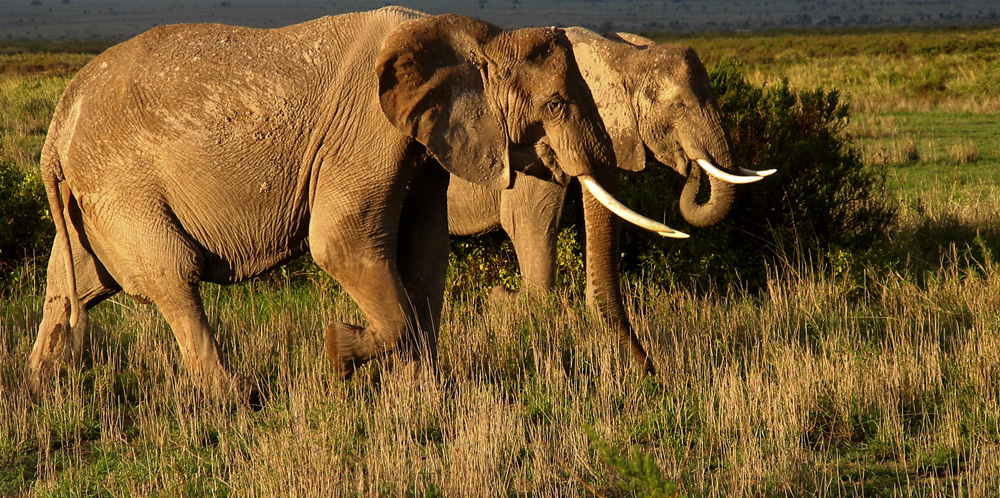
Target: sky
(119, 19)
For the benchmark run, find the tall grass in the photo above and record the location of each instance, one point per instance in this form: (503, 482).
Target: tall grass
(28, 104)
(819, 386)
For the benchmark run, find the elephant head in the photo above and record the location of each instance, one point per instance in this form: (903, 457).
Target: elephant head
(658, 98)
(487, 102)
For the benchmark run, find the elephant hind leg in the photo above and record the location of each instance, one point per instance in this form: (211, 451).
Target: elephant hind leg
(57, 345)
(183, 309)
(164, 265)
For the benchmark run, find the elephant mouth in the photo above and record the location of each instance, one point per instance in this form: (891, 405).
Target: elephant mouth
(546, 160)
(684, 160)
(537, 160)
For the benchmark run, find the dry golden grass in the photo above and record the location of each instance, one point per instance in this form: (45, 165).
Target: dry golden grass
(819, 386)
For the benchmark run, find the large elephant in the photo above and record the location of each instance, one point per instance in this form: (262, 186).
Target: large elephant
(654, 99)
(214, 153)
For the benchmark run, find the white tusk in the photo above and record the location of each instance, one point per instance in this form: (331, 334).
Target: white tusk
(726, 177)
(764, 172)
(625, 213)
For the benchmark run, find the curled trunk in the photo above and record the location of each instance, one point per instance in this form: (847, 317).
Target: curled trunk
(720, 199)
(721, 194)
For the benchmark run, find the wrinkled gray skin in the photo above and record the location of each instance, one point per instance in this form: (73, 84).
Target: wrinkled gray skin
(215, 153)
(654, 98)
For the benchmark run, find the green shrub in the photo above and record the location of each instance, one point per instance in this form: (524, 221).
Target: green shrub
(637, 472)
(822, 197)
(477, 264)
(824, 204)
(26, 230)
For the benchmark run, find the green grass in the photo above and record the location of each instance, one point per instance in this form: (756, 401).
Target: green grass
(933, 148)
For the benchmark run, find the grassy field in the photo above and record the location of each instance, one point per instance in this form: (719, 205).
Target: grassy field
(827, 382)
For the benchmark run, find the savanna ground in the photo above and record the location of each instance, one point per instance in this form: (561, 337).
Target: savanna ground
(833, 378)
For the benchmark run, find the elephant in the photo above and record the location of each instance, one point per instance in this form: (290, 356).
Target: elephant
(212, 153)
(655, 100)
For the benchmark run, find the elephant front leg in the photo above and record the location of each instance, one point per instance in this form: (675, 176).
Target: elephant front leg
(373, 282)
(423, 258)
(357, 247)
(387, 246)
(530, 213)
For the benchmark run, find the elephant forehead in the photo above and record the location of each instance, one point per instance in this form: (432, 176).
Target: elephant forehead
(677, 62)
(545, 46)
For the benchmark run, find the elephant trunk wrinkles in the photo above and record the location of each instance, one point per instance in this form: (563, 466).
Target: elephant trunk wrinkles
(603, 290)
(721, 193)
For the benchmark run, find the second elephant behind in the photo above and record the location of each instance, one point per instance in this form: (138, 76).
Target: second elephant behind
(654, 99)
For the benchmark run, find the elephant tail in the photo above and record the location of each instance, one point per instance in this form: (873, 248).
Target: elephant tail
(51, 176)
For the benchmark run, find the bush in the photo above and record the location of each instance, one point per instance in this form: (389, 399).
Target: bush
(26, 230)
(822, 192)
(822, 201)
(477, 264)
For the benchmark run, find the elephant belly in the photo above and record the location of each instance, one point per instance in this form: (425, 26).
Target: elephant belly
(242, 236)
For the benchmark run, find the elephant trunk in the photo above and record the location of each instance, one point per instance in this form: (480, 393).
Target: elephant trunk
(718, 163)
(601, 250)
(720, 200)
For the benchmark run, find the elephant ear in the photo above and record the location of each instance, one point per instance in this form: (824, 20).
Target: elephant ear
(432, 80)
(601, 62)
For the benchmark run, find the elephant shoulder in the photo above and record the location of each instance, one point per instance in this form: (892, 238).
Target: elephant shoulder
(577, 34)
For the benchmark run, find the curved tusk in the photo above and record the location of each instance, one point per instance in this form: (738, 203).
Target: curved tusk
(763, 172)
(726, 177)
(625, 213)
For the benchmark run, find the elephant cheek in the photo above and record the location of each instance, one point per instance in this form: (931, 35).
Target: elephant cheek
(582, 155)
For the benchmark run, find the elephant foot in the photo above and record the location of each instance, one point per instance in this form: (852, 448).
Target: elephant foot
(39, 375)
(53, 355)
(647, 368)
(218, 383)
(501, 294)
(343, 345)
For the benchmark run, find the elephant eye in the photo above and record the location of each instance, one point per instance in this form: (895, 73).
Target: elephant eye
(557, 105)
